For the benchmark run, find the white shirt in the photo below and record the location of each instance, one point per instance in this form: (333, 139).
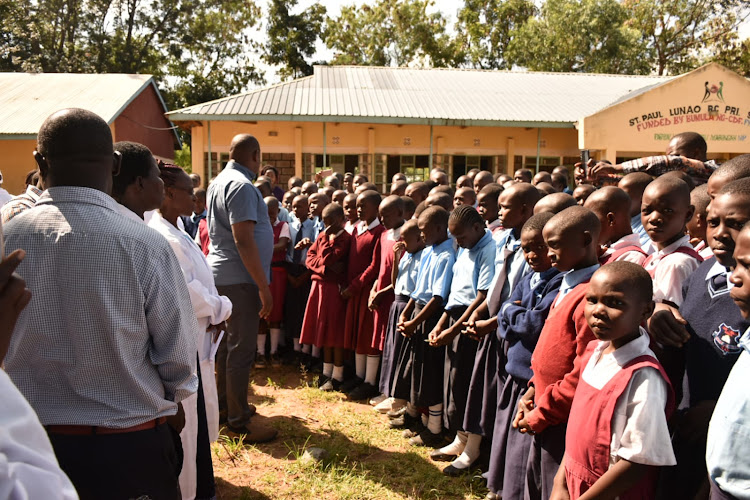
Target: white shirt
(28, 467)
(630, 256)
(285, 232)
(363, 226)
(671, 269)
(572, 279)
(350, 226)
(704, 250)
(639, 424)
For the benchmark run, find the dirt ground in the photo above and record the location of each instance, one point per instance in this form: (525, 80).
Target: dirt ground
(366, 460)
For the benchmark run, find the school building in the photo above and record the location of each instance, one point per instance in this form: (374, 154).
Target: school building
(382, 120)
(131, 104)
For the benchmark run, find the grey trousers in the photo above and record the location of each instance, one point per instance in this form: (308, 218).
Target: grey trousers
(236, 353)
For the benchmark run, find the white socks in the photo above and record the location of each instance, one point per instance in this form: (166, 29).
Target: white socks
(338, 373)
(458, 444)
(435, 420)
(470, 453)
(262, 344)
(360, 365)
(306, 348)
(316, 351)
(371, 373)
(297, 346)
(327, 369)
(275, 339)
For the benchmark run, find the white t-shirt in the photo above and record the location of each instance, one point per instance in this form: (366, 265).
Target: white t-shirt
(639, 424)
(28, 467)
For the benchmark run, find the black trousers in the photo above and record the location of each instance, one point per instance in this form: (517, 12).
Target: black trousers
(205, 486)
(121, 466)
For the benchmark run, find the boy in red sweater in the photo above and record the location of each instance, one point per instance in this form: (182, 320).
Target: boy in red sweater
(364, 263)
(572, 237)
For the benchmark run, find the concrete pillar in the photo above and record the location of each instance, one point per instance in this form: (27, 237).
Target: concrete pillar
(197, 150)
(298, 152)
(371, 154)
(510, 156)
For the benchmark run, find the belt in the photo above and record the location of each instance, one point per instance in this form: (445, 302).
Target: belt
(91, 430)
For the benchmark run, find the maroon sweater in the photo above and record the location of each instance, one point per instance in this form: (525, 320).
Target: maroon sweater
(326, 252)
(564, 337)
(364, 259)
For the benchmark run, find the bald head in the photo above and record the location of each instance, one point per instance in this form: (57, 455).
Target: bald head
(392, 202)
(634, 184)
(553, 203)
(609, 198)
(526, 193)
(443, 200)
(576, 220)
(74, 148)
(245, 149)
(611, 205)
(482, 179)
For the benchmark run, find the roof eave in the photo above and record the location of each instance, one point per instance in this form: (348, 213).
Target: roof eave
(177, 117)
(17, 137)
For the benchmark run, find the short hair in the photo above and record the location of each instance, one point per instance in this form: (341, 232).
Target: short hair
(270, 167)
(271, 201)
(295, 181)
(435, 215)
(736, 168)
(137, 160)
(32, 177)
(638, 281)
(410, 226)
(546, 188)
(443, 188)
(331, 178)
(74, 132)
(169, 173)
(441, 199)
(333, 210)
(243, 143)
(420, 187)
(558, 178)
(483, 176)
(528, 194)
(525, 172)
(492, 190)
(673, 184)
(739, 187)
(611, 198)
(465, 215)
(684, 176)
(638, 180)
(394, 202)
(419, 209)
(370, 196)
(693, 141)
(700, 199)
(537, 222)
(200, 193)
(362, 177)
(555, 203)
(409, 205)
(543, 176)
(367, 186)
(580, 218)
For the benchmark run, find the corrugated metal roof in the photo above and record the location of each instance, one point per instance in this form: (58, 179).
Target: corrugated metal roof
(27, 99)
(428, 96)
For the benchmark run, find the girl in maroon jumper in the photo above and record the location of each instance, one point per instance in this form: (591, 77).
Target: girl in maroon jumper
(617, 433)
(326, 259)
(364, 263)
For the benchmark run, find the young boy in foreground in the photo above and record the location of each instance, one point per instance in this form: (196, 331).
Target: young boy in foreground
(617, 432)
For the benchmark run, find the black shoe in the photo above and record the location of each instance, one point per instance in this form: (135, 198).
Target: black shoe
(331, 385)
(455, 472)
(260, 361)
(405, 421)
(439, 456)
(322, 379)
(275, 359)
(364, 391)
(427, 438)
(351, 384)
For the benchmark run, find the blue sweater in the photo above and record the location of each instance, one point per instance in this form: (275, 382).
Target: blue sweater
(521, 324)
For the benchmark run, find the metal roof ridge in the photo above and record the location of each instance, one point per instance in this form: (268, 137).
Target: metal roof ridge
(247, 92)
(480, 70)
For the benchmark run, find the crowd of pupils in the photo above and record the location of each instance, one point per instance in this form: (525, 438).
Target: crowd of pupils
(566, 343)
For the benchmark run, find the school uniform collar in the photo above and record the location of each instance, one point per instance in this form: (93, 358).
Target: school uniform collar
(440, 247)
(626, 353)
(573, 278)
(235, 165)
(626, 241)
(395, 233)
(745, 341)
(494, 224)
(361, 228)
(717, 270)
(682, 242)
(485, 240)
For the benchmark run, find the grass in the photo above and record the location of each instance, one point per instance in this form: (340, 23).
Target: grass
(366, 460)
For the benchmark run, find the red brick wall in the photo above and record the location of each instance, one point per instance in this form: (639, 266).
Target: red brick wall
(284, 163)
(143, 112)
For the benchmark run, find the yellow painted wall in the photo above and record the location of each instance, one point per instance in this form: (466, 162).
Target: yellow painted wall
(645, 123)
(353, 138)
(15, 162)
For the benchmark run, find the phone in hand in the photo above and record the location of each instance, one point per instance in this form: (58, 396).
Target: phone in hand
(585, 157)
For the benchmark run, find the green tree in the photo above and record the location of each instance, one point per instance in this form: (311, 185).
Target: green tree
(292, 37)
(580, 36)
(677, 31)
(485, 28)
(391, 33)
